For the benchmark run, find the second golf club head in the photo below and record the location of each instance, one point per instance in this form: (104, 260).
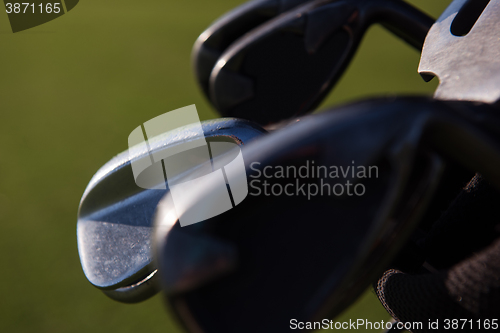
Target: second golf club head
(462, 50)
(284, 255)
(115, 216)
(286, 66)
(212, 42)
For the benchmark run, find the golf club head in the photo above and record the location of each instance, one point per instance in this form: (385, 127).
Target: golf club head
(286, 66)
(115, 216)
(278, 257)
(462, 50)
(215, 39)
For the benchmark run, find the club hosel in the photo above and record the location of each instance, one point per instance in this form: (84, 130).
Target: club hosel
(401, 18)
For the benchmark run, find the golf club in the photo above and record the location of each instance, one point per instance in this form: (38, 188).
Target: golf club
(286, 66)
(215, 39)
(115, 216)
(306, 258)
(462, 49)
(462, 246)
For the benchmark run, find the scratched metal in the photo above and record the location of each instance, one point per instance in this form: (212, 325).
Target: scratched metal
(468, 67)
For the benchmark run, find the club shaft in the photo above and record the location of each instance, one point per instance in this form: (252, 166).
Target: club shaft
(404, 20)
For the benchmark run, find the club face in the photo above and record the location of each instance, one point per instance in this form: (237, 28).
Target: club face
(114, 227)
(289, 257)
(284, 67)
(216, 39)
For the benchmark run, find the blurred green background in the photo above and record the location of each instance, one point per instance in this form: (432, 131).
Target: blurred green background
(71, 91)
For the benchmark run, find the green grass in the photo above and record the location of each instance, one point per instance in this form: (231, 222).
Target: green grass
(71, 91)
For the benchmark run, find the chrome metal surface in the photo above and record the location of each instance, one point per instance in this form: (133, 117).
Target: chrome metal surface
(468, 66)
(114, 228)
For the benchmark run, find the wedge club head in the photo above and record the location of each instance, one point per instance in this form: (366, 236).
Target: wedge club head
(280, 257)
(285, 67)
(115, 216)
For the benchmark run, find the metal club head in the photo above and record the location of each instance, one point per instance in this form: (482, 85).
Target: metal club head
(462, 50)
(216, 39)
(115, 216)
(286, 66)
(281, 257)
